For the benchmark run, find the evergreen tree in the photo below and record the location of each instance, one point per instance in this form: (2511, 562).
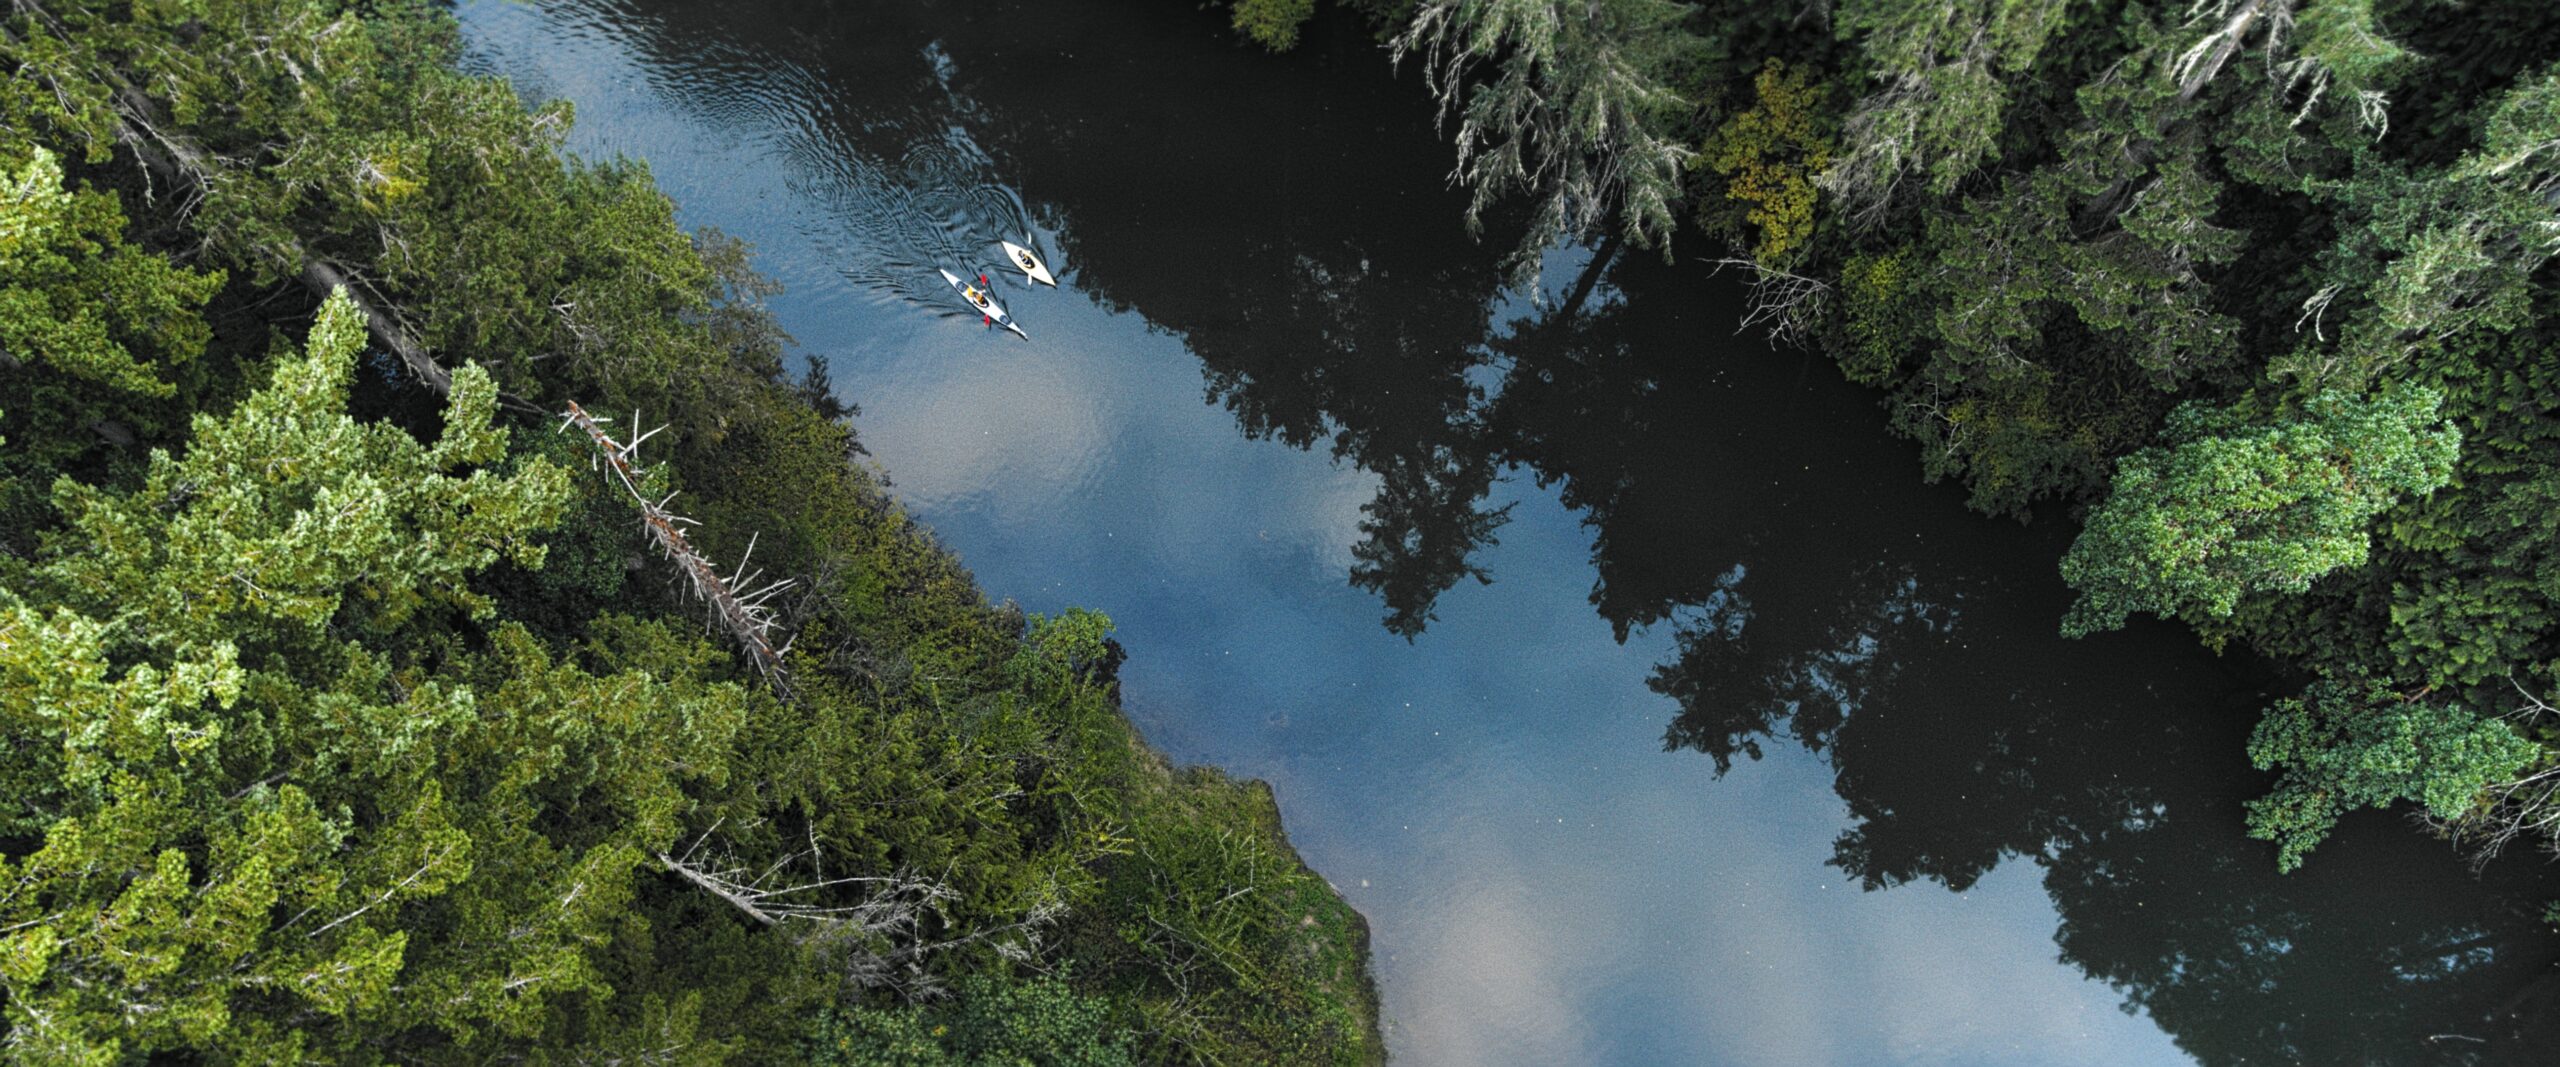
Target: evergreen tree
(1577, 112)
(94, 334)
(1939, 100)
(268, 784)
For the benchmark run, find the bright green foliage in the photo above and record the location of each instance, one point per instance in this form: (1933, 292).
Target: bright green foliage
(2227, 507)
(93, 332)
(75, 298)
(277, 512)
(1040, 1023)
(2465, 588)
(244, 814)
(1577, 112)
(2343, 746)
(1273, 24)
(284, 507)
(1769, 156)
(2462, 592)
(1877, 315)
(324, 133)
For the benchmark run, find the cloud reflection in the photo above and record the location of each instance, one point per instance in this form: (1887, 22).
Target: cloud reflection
(1546, 886)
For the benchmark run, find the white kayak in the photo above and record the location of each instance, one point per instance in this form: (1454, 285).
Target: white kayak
(985, 303)
(1030, 264)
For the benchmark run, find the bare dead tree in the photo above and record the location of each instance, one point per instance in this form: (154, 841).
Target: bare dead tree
(881, 927)
(1784, 303)
(747, 616)
(893, 904)
(2528, 807)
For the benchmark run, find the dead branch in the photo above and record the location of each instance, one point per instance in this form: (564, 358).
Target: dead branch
(324, 277)
(2196, 66)
(747, 616)
(1784, 303)
(894, 904)
(2523, 807)
(882, 934)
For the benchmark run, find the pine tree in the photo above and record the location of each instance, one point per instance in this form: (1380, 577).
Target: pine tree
(1577, 113)
(244, 809)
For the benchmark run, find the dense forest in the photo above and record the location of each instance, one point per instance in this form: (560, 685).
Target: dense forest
(437, 623)
(2257, 293)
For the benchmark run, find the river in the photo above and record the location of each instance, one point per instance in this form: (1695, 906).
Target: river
(1749, 748)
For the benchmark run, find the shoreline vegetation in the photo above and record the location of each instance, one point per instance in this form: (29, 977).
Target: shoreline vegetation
(2257, 294)
(362, 715)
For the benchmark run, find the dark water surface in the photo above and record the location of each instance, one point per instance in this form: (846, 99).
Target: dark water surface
(1946, 835)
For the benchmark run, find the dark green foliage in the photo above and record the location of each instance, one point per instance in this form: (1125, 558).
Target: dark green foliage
(1039, 1023)
(354, 727)
(1229, 945)
(1878, 316)
(93, 334)
(1274, 24)
(76, 299)
(1939, 100)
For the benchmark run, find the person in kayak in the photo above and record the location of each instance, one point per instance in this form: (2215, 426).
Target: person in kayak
(977, 298)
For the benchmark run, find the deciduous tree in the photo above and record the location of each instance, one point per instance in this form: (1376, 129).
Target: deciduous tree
(2227, 505)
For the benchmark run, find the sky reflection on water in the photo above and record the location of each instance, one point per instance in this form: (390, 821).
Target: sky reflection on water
(1545, 882)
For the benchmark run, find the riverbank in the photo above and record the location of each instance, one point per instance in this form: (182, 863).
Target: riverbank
(451, 765)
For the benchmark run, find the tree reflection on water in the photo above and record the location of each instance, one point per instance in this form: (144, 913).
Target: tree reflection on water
(1817, 595)
(1745, 499)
